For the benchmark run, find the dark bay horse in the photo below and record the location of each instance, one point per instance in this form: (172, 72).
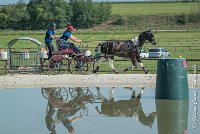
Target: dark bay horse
(125, 108)
(129, 49)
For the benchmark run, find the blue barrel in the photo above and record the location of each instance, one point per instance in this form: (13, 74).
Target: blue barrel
(171, 79)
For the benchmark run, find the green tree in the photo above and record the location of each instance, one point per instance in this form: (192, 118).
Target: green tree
(3, 18)
(39, 11)
(87, 14)
(43, 11)
(14, 17)
(61, 12)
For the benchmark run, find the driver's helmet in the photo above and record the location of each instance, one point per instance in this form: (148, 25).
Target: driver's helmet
(53, 24)
(70, 28)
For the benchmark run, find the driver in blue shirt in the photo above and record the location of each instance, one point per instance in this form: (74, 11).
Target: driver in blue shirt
(68, 34)
(49, 37)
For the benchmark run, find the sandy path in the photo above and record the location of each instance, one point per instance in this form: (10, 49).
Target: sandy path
(68, 80)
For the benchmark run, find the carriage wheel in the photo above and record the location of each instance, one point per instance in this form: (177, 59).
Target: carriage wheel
(79, 95)
(79, 67)
(54, 65)
(77, 91)
(58, 63)
(45, 66)
(58, 96)
(45, 92)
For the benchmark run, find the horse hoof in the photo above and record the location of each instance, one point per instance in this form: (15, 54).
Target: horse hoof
(125, 69)
(147, 72)
(96, 70)
(115, 71)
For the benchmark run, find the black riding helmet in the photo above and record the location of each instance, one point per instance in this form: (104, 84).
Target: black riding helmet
(53, 24)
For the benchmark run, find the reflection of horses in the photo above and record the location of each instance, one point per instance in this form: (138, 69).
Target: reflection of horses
(128, 108)
(130, 49)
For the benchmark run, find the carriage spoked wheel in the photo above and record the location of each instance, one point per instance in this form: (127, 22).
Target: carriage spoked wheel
(45, 66)
(80, 95)
(45, 92)
(78, 91)
(58, 63)
(58, 97)
(79, 65)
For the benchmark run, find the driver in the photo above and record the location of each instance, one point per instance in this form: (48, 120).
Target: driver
(68, 34)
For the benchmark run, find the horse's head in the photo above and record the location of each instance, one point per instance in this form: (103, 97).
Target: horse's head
(148, 35)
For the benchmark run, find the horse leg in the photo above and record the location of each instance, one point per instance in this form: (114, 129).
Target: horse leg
(141, 65)
(133, 95)
(98, 64)
(132, 57)
(111, 98)
(140, 93)
(110, 59)
(100, 96)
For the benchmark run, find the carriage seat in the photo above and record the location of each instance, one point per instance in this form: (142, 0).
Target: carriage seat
(64, 47)
(66, 51)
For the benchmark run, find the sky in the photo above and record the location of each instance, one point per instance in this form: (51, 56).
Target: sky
(6, 2)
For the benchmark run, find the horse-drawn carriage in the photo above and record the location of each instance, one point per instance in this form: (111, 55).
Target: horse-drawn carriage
(65, 59)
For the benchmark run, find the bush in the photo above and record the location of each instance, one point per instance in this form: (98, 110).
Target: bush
(88, 14)
(119, 20)
(181, 19)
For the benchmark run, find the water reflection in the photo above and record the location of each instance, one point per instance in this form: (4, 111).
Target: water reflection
(67, 105)
(100, 110)
(64, 103)
(172, 116)
(128, 108)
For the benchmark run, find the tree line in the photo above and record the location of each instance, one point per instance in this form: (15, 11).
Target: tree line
(38, 13)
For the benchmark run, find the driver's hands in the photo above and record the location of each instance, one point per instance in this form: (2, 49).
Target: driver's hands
(56, 37)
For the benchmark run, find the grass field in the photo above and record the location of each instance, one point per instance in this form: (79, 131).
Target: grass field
(178, 43)
(153, 8)
(185, 44)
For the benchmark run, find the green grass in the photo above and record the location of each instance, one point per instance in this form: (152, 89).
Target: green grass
(153, 8)
(164, 38)
(168, 39)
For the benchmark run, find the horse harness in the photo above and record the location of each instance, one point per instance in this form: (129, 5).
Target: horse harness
(133, 46)
(109, 48)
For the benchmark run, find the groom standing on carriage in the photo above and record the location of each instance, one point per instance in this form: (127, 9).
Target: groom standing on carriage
(49, 38)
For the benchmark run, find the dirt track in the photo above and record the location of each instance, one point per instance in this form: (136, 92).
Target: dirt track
(68, 80)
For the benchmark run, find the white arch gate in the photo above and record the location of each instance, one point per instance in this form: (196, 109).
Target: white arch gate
(21, 59)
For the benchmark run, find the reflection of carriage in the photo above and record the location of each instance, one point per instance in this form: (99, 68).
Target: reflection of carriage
(61, 95)
(64, 103)
(65, 59)
(56, 96)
